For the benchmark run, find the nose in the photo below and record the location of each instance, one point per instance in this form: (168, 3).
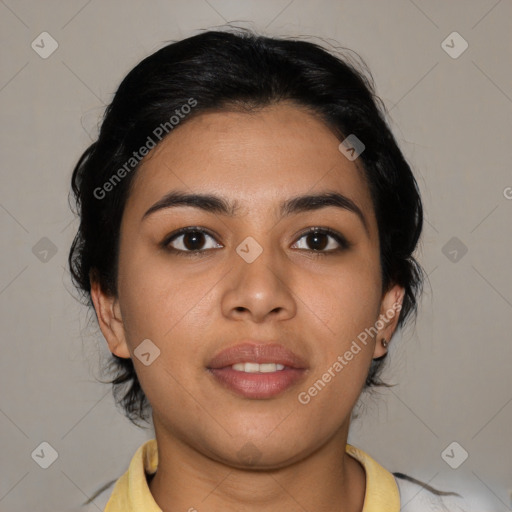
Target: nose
(260, 289)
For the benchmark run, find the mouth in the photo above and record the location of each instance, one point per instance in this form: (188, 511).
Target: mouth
(257, 371)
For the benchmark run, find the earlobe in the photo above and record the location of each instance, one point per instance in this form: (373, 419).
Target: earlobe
(110, 321)
(391, 305)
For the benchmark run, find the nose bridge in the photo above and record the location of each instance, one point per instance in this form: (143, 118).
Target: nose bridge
(257, 263)
(259, 280)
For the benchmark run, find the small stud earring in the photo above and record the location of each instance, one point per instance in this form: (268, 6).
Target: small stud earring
(384, 343)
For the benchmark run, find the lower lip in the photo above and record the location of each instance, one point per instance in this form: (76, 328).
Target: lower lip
(258, 385)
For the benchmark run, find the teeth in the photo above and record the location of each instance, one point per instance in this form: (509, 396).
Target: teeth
(257, 368)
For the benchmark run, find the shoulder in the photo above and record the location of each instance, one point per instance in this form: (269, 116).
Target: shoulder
(417, 496)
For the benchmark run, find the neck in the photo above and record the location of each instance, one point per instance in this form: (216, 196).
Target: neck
(329, 480)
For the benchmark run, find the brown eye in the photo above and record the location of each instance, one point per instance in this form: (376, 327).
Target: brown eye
(189, 240)
(323, 241)
(193, 240)
(317, 241)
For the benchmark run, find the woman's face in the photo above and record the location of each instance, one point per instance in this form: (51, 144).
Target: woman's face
(260, 280)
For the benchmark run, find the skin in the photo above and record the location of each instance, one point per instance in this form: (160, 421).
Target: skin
(193, 307)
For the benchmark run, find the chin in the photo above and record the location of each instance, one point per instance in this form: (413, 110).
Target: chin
(262, 457)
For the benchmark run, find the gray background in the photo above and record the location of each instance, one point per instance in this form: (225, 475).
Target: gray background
(452, 118)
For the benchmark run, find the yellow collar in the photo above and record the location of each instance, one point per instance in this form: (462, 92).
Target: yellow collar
(131, 492)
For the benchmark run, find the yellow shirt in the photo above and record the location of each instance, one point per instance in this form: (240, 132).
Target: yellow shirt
(131, 492)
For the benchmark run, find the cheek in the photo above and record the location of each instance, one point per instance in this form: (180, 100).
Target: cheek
(348, 304)
(172, 307)
(167, 307)
(348, 298)
(156, 297)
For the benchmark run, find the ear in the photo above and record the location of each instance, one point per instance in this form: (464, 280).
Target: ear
(390, 308)
(109, 319)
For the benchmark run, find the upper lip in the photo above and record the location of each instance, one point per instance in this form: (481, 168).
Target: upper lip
(255, 352)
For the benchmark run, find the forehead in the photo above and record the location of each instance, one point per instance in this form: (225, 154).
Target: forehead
(253, 159)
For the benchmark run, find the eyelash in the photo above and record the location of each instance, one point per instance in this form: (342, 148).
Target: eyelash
(341, 240)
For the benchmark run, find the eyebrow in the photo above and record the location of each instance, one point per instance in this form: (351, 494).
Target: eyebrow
(214, 204)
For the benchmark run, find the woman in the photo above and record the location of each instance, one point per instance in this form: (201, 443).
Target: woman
(247, 231)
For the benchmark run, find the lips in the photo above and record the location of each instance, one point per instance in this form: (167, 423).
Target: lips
(262, 382)
(248, 352)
